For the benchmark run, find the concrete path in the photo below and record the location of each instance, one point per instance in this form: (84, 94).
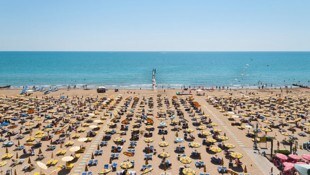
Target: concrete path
(261, 162)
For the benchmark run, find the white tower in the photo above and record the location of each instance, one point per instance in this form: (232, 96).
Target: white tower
(154, 79)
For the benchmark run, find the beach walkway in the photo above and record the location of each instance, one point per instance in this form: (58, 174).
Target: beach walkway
(261, 162)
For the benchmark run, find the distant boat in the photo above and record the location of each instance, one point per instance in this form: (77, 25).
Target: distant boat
(5, 87)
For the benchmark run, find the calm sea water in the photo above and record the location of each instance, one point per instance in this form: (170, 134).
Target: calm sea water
(174, 69)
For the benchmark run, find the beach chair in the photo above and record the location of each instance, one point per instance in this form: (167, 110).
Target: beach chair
(103, 143)
(54, 162)
(70, 166)
(114, 166)
(48, 163)
(132, 173)
(106, 166)
(143, 167)
(98, 152)
(95, 162)
(77, 156)
(90, 162)
(133, 163)
(119, 173)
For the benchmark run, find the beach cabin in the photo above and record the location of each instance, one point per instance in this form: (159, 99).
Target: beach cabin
(101, 89)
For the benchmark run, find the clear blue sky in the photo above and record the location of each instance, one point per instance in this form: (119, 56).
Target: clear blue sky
(129, 25)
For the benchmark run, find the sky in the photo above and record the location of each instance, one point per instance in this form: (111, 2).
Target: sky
(155, 25)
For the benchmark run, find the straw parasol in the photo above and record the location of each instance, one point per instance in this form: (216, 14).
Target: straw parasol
(105, 171)
(148, 140)
(185, 160)
(75, 148)
(223, 138)
(118, 140)
(211, 140)
(188, 171)
(216, 149)
(41, 165)
(83, 139)
(164, 155)
(236, 155)
(229, 145)
(194, 145)
(188, 130)
(67, 158)
(163, 144)
(126, 165)
(202, 127)
(93, 126)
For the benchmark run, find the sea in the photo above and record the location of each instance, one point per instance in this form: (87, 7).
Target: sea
(131, 70)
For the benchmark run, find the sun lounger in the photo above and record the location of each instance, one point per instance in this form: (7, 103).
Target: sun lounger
(106, 166)
(98, 152)
(70, 166)
(132, 173)
(114, 166)
(54, 162)
(87, 173)
(119, 172)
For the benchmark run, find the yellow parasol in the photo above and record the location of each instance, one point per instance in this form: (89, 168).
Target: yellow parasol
(188, 171)
(126, 165)
(205, 133)
(229, 145)
(148, 140)
(216, 149)
(211, 140)
(163, 144)
(223, 138)
(164, 155)
(194, 145)
(185, 160)
(236, 155)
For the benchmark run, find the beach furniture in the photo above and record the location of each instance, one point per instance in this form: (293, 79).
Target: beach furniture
(103, 143)
(87, 173)
(114, 166)
(148, 156)
(98, 152)
(144, 167)
(61, 152)
(69, 166)
(92, 162)
(106, 166)
(7, 144)
(120, 172)
(51, 148)
(199, 164)
(3, 163)
(54, 162)
(7, 156)
(132, 173)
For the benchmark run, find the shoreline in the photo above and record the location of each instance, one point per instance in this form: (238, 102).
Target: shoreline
(149, 87)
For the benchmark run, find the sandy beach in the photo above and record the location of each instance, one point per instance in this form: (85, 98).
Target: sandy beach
(67, 131)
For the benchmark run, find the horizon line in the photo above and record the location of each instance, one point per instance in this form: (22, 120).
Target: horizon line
(154, 51)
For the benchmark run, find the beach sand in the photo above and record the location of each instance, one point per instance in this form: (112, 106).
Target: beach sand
(255, 164)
